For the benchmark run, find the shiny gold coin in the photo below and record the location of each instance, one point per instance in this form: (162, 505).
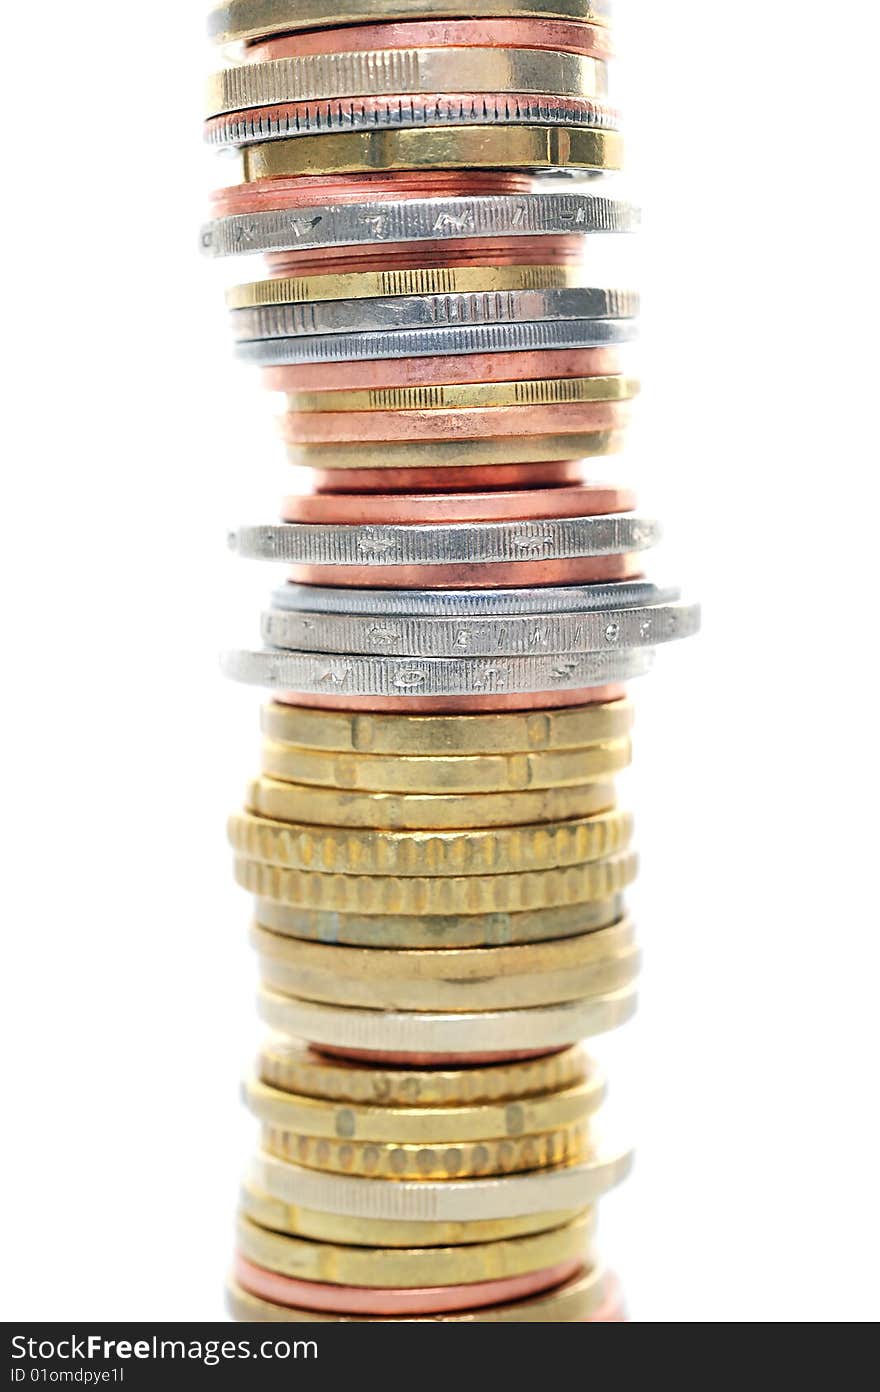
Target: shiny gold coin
(368, 732)
(423, 1126)
(407, 1269)
(447, 736)
(491, 979)
(432, 930)
(307, 802)
(386, 1232)
(574, 1302)
(294, 1067)
(432, 773)
(370, 1159)
(255, 19)
(491, 851)
(440, 894)
(547, 392)
(428, 454)
(361, 285)
(455, 147)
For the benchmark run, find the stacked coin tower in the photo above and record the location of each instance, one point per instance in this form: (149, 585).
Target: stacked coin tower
(434, 845)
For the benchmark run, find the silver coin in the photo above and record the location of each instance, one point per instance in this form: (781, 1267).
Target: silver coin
(431, 1201)
(548, 213)
(463, 543)
(549, 599)
(412, 1032)
(335, 675)
(405, 72)
(430, 311)
(512, 635)
(402, 113)
(439, 342)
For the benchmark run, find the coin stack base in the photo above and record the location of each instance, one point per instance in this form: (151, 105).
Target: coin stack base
(434, 844)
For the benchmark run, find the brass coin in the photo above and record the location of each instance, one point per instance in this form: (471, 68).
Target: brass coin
(403, 1269)
(511, 1155)
(508, 850)
(308, 802)
(293, 1067)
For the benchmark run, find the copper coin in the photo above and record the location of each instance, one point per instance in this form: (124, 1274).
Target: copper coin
(591, 40)
(580, 570)
(457, 705)
(362, 1300)
(327, 428)
(447, 372)
(307, 190)
(468, 251)
(460, 479)
(579, 500)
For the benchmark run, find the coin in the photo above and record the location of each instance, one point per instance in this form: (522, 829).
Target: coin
(435, 774)
(304, 673)
(282, 1217)
(389, 220)
(305, 543)
(461, 1160)
(403, 72)
(438, 894)
(500, 978)
(486, 1198)
(455, 147)
(402, 312)
(425, 1300)
(293, 1067)
(448, 736)
(249, 19)
(425, 1126)
(434, 931)
(490, 851)
(549, 391)
(429, 280)
(554, 34)
(394, 373)
(448, 1034)
(574, 1301)
(290, 120)
(347, 1265)
(481, 636)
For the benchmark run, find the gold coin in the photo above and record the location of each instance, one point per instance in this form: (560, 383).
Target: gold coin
(404, 72)
(448, 736)
(432, 280)
(427, 454)
(294, 1067)
(255, 19)
(446, 931)
(457, 147)
(423, 1126)
(547, 392)
(592, 965)
(307, 802)
(491, 851)
(388, 1232)
(486, 773)
(440, 894)
(411, 1268)
(370, 1159)
(572, 1303)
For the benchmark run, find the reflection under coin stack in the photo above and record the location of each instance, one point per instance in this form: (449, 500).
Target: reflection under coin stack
(434, 844)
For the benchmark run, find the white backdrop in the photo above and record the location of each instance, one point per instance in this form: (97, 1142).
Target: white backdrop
(749, 1081)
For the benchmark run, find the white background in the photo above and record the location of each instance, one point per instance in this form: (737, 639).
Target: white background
(750, 1079)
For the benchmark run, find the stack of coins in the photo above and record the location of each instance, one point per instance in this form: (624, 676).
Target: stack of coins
(434, 843)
